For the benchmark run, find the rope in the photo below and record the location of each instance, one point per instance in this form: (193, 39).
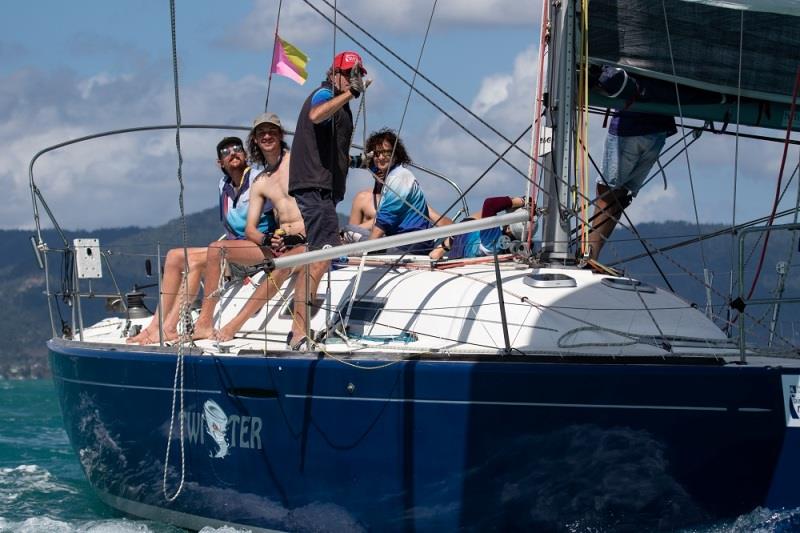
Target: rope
(414, 76)
(778, 186)
(185, 287)
(533, 168)
(583, 127)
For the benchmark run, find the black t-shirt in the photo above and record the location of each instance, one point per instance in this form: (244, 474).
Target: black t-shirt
(320, 152)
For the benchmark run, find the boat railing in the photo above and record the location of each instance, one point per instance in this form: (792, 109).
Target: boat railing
(373, 245)
(744, 300)
(41, 249)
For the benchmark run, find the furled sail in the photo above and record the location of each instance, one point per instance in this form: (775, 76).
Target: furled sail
(723, 47)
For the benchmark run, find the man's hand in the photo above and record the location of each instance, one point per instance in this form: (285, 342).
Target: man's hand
(357, 83)
(276, 244)
(360, 160)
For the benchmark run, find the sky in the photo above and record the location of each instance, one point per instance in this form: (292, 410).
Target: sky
(71, 69)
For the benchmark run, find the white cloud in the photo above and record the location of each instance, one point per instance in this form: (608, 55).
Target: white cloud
(300, 21)
(117, 180)
(494, 90)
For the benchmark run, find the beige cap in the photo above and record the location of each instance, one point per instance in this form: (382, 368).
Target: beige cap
(267, 118)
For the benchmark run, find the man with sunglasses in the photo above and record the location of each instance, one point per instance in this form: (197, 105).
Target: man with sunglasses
(318, 170)
(233, 205)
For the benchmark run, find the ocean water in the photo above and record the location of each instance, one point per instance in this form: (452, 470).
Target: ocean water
(42, 487)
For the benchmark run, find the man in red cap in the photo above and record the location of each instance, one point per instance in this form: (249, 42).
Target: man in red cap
(318, 169)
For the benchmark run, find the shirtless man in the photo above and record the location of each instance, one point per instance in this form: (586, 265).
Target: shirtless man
(362, 214)
(271, 156)
(270, 186)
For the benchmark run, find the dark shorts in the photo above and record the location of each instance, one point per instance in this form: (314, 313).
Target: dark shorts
(319, 216)
(291, 241)
(417, 248)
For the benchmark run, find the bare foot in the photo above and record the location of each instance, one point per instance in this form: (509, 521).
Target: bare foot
(135, 338)
(143, 335)
(151, 337)
(202, 332)
(224, 334)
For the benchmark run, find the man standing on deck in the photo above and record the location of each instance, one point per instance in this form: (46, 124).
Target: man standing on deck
(318, 170)
(633, 144)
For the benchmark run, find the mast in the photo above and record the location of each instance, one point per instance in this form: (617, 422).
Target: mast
(559, 175)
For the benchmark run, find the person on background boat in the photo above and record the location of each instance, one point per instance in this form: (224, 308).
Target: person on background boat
(633, 144)
(270, 187)
(403, 207)
(318, 170)
(270, 155)
(233, 204)
(486, 241)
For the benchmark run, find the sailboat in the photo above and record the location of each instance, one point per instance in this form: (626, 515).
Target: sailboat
(521, 391)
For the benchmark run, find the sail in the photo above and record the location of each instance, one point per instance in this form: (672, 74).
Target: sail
(697, 43)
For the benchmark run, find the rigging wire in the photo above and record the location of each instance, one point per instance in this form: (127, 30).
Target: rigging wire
(413, 81)
(272, 59)
(705, 236)
(736, 163)
(455, 121)
(778, 186)
(688, 163)
(632, 228)
(421, 75)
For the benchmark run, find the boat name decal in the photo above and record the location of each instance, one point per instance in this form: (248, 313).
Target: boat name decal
(222, 431)
(791, 399)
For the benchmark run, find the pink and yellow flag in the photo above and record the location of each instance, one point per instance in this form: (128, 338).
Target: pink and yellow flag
(289, 61)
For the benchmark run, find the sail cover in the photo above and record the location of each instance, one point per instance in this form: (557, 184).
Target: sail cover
(697, 43)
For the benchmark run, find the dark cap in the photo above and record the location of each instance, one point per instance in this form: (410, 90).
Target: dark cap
(227, 141)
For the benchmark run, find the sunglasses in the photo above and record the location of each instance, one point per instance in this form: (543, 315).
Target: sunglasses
(228, 150)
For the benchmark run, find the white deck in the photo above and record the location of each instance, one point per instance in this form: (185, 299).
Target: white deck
(456, 311)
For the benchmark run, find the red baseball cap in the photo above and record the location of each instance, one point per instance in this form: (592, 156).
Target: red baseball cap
(347, 60)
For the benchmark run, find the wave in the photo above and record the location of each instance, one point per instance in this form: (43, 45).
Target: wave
(117, 525)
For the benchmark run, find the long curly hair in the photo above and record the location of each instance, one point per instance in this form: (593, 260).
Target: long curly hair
(377, 138)
(254, 152)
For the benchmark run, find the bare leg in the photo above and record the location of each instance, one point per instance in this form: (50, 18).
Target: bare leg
(268, 288)
(608, 208)
(316, 270)
(236, 251)
(265, 292)
(170, 288)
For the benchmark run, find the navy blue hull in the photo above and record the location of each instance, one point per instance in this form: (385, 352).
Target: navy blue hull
(310, 444)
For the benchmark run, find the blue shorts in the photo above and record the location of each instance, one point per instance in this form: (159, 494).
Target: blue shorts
(319, 216)
(628, 160)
